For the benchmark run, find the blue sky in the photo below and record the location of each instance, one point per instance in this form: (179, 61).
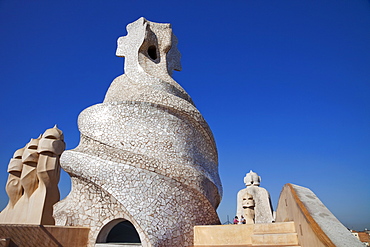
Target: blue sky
(284, 85)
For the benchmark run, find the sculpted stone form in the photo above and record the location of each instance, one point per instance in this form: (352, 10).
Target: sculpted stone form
(252, 178)
(146, 154)
(248, 208)
(13, 187)
(51, 146)
(254, 202)
(33, 179)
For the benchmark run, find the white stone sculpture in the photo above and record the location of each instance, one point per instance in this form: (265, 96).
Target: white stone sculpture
(33, 179)
(252, 178)
(248, 208)
(254, 202)
(146, 154)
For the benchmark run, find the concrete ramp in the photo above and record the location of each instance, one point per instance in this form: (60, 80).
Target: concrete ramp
(315, 224)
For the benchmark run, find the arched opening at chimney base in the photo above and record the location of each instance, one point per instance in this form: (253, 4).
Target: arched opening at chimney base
(118, 231)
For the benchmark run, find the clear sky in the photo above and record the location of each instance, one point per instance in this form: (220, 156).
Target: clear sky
(284, 85)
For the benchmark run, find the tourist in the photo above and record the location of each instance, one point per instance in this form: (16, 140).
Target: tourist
(242, 220)
(236, 220)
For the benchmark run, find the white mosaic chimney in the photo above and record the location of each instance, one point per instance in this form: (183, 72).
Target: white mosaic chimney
(146, 154)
